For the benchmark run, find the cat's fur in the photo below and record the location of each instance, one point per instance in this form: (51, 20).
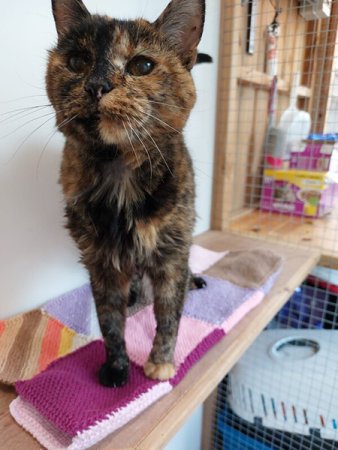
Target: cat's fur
(126, 174)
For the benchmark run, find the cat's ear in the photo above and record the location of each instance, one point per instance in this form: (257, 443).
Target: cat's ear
(68, 13)
(182, 23)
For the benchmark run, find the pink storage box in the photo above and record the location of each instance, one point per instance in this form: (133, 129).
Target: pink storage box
(316, 155)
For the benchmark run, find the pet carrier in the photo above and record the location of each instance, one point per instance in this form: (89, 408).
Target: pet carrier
(281, 380)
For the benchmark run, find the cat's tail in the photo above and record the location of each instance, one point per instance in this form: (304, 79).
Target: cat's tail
(203, 58)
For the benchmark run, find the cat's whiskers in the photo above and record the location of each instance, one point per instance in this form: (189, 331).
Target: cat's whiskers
(132, 146)
(24, 109)
(168, 104)
(27, 137)
(51, 114)
(164, 123)
(157, 147)
(21, 98)
(145, 148)
(20, 114)
(62, 124)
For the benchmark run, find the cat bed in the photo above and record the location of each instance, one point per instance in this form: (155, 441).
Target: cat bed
(65, 407)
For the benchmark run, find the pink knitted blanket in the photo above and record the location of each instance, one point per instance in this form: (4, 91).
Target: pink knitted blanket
(65, 407)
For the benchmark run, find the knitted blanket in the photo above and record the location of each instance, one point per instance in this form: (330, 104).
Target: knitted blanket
(65, 407)
(31, 341)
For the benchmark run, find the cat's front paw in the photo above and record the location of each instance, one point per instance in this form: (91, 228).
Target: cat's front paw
(112, 377)
(160, 372)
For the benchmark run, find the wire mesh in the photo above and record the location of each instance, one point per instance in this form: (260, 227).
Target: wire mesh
(276, 178)
(261, 149)
(300, 422)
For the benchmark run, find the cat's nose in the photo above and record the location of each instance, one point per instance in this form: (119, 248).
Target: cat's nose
(97, 89)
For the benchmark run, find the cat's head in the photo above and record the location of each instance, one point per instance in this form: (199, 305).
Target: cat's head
(114, 81)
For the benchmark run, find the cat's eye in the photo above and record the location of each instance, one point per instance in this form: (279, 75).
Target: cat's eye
(140, 66)
(77, 63)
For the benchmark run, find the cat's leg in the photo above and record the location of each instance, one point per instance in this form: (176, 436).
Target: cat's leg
(170, 284)
(135, 288)
(110, 291)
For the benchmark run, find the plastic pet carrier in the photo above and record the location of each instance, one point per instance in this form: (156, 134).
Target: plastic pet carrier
(281, 382)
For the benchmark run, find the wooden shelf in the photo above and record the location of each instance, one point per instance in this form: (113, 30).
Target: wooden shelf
(250, 77)
(320, 234)
(154, 428)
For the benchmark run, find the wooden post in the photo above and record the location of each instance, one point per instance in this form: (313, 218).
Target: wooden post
(323, 71)
(227, 113)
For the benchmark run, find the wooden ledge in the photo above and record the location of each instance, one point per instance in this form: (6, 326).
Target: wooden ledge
(155, 426)
(261, 80)
(308, 233)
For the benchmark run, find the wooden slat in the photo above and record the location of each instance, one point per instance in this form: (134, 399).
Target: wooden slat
(251, 77)
(310, 50)
(289, 20)
(155, 426)
(254, 172)
(227, 112)
(298, 48)
(209, 411)
(324, 68)
(260, 80)
(244, 145)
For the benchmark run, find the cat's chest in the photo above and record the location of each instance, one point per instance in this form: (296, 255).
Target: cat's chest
(122, 214)
(121, 237)
(121, 221)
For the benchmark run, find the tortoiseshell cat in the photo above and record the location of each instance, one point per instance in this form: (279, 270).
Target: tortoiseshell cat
(122, 91)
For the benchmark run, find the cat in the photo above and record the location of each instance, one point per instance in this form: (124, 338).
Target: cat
(122, 92)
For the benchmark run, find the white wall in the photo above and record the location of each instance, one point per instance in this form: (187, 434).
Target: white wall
(37, 258)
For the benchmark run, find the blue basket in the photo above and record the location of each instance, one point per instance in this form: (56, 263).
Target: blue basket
(232, 438)
(305, 309)
(234, 433)
(235, 440)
